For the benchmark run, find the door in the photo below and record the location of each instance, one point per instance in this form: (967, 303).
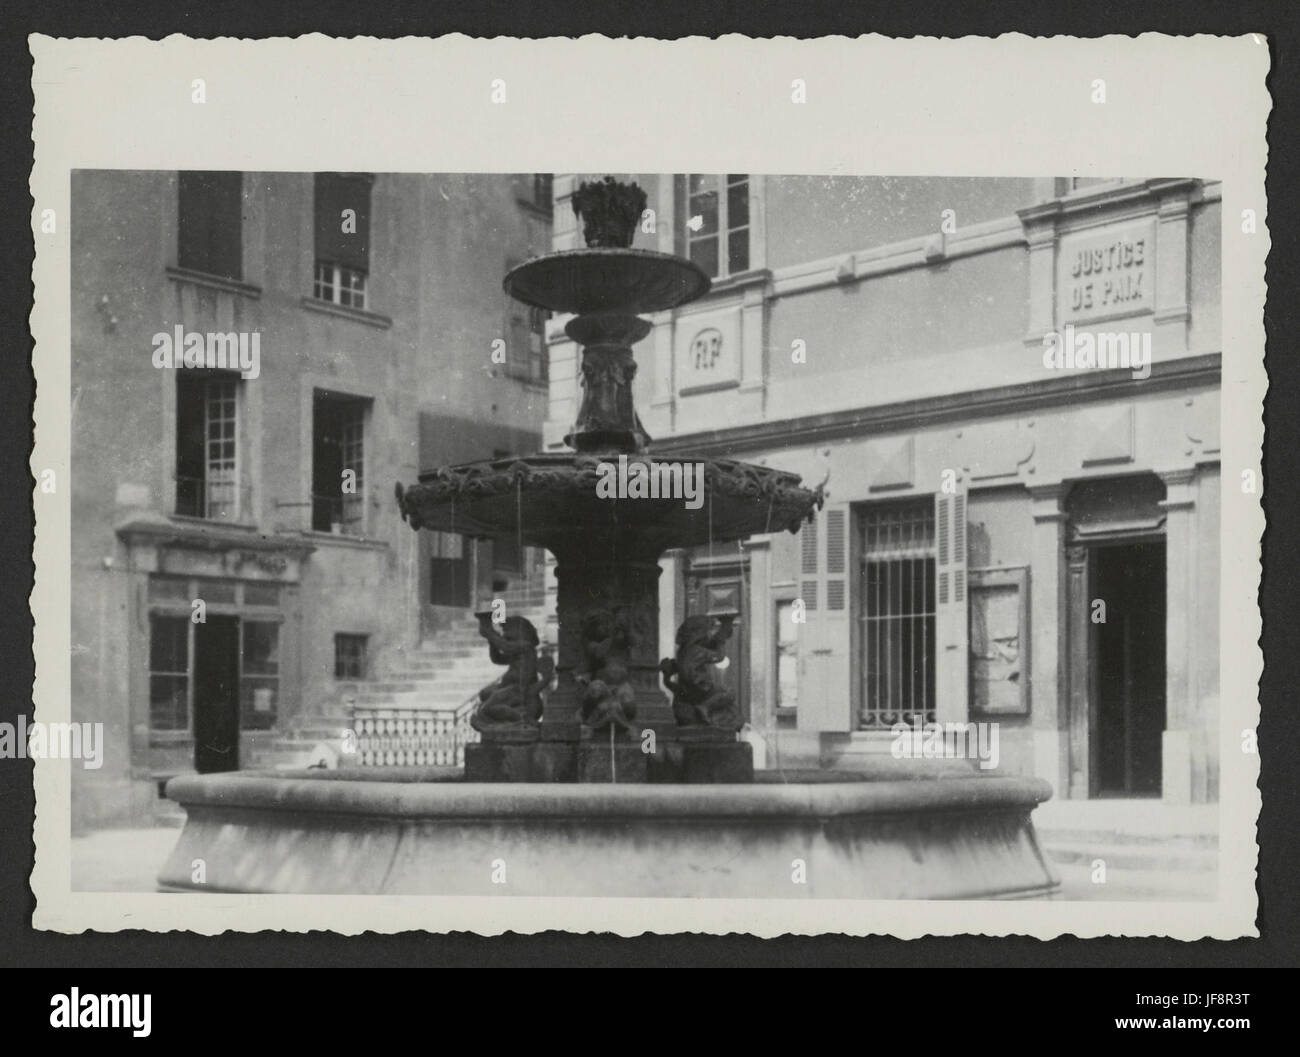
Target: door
(216, 694)
(1128, 646)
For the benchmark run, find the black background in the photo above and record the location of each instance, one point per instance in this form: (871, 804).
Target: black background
(320, 1018)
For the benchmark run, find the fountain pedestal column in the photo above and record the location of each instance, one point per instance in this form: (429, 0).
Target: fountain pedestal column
(607, 420)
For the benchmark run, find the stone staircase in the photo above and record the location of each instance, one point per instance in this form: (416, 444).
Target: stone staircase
(424, 695)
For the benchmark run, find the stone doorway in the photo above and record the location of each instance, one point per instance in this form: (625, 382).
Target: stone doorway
(1115, 637)
(216, 694)
(1128, 714)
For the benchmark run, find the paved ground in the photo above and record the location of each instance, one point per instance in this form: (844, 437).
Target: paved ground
(121, 860)
(1151, 851)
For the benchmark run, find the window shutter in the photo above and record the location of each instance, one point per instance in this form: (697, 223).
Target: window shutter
(808, 565)
(824, 698)
(952, 686)
(336, 192)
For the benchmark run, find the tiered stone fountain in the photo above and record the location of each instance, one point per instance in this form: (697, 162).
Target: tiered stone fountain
(590, 779)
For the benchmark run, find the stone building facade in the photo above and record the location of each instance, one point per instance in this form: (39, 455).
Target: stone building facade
(1012, 534)
(236, 546)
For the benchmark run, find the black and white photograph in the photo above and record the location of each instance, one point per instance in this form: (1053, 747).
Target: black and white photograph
(822, 536)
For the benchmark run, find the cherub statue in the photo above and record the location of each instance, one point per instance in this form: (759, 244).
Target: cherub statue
(607, 697)
(515, 699)
(697, 701)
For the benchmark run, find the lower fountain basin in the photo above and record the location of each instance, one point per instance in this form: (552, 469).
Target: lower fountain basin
(848, 838)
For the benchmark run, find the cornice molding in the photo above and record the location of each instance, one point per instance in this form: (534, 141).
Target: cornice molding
(1059, 388)
(157, 529)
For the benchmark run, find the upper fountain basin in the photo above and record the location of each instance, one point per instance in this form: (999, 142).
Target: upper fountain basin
(606, 280)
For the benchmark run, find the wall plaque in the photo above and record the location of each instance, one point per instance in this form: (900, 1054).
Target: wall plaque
(708, 353)
(1106, 274)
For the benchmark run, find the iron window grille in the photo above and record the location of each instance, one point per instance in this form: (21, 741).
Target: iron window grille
(896, 615)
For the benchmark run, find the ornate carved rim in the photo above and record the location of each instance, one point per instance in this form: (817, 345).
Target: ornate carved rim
(739, 499)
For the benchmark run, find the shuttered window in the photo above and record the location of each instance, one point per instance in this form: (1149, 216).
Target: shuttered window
(210, 223)
(808, 564)
(343, 219)
(342, 238)
(824, 692)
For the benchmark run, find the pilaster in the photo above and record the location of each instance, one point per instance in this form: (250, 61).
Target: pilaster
(1047, 632)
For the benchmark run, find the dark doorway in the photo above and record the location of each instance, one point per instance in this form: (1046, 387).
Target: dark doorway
(1128, 677)
(216, 695)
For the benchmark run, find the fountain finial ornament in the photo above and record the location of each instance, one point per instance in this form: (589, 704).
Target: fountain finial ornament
(610, 212)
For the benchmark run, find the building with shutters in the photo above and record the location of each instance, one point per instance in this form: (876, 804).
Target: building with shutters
(1013, 535)
(237, 553)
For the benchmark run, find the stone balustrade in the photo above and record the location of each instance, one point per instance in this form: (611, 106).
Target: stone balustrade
(391, 736)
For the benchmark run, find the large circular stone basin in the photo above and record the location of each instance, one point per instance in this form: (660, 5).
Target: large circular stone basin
(950, 838)
(606, 280)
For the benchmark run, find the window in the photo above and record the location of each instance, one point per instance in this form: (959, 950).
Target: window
(169, 673)
(526, 344)
(177, 650)
(450, 569)
(211, 223)
(340, 284)
(259, 674)
(350, 656)
(896, 617)
(717, 223)
(539, 194)
(338, 463)
(342, 238)
(207, 446)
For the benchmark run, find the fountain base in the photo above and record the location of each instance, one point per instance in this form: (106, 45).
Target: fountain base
(708, 757)
(791, 836)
